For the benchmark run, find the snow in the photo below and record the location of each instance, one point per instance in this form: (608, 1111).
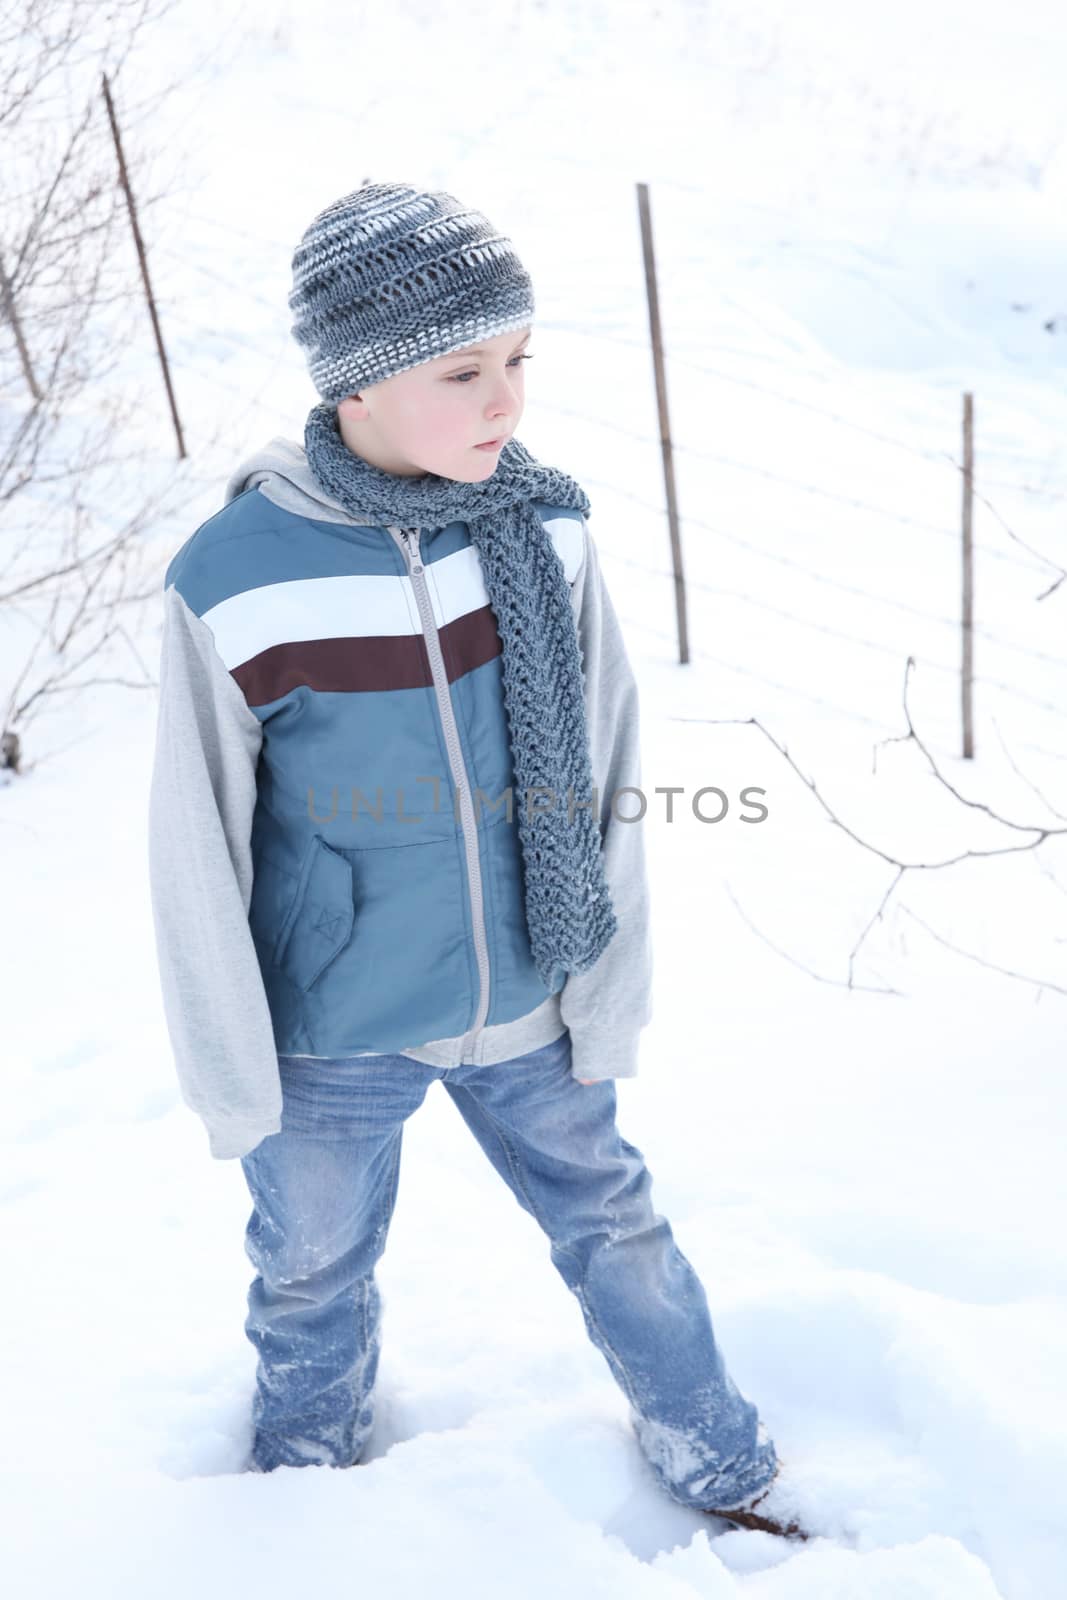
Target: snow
(858, 217)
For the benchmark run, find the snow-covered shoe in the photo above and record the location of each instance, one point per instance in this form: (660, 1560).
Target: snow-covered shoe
(767, 1512)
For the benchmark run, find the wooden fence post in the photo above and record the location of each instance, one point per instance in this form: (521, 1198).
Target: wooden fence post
(131, 208)
(664, 420)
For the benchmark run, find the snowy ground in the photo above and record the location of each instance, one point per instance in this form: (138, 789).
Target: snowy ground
(857, 219)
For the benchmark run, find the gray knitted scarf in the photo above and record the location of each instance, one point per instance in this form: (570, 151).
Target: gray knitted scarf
(568, 904)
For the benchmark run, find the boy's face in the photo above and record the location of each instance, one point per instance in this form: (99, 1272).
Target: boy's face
(432, 417)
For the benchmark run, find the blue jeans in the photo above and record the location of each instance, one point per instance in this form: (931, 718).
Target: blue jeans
(324, 1188)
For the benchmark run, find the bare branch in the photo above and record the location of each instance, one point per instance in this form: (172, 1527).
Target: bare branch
(1008, 972)
(1041, 833)
(68, 572)
(1056, 566)
(793, 961)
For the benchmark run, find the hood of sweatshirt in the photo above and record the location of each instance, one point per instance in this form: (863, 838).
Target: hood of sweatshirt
(280, 471)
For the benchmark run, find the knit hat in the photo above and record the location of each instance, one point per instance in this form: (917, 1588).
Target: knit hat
(391, 276)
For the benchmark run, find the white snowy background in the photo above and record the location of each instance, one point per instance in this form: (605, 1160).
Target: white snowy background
(860, 212)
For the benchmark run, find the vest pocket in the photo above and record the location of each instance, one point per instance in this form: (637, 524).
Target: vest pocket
(319, 921)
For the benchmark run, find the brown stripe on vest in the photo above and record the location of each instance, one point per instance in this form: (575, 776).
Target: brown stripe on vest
(374, 661)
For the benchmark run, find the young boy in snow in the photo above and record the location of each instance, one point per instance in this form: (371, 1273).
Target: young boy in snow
(395, 710)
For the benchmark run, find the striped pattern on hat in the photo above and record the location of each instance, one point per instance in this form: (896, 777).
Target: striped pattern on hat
(390, 276)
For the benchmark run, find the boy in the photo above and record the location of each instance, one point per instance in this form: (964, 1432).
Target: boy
(410, 606)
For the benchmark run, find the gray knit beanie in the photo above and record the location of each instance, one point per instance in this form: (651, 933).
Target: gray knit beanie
(391, 276)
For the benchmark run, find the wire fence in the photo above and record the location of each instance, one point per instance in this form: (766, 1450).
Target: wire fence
(868, 515)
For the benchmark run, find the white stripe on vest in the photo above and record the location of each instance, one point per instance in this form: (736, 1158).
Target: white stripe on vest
(356, 606)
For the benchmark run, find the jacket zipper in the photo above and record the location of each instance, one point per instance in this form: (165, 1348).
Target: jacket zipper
(408, 540)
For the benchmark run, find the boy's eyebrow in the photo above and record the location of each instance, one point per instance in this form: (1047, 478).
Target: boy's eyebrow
(465, 355)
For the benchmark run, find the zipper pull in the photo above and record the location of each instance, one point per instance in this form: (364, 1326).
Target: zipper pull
(413, 549)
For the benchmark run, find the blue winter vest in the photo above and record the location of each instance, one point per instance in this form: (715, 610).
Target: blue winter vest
(387, 906)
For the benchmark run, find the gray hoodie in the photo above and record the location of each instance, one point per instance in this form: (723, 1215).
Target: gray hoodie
(202, 796)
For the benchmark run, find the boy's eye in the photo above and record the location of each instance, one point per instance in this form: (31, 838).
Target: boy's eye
(458, 377)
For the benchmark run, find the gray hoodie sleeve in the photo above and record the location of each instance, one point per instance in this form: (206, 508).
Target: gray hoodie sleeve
(201, 800)
(606, 1007)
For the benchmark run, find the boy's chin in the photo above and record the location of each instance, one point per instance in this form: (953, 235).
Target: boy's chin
(476, 472)
(473, 466)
